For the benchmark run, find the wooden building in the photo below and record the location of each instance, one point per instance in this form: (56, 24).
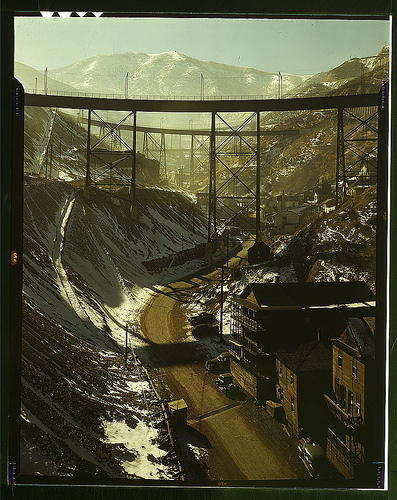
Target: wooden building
(302, 378)
(285, 201)
(259, 252)
(274, 317)
(286, 222)
(349, 403)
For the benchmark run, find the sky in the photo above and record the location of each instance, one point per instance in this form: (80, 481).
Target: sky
(301, 47)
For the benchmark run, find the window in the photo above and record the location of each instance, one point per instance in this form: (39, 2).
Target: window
(358, 403)
(279, 368)
(337, 387)
(349, 402)
(340, 357)
(354, 370)
(292, 404)
(291, 379)
(280, 393)
(342, 396)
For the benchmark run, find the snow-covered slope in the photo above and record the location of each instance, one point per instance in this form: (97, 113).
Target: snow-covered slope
(340, 244)
(358, 75)
(169, 73)
(32, 79)
(83, 281)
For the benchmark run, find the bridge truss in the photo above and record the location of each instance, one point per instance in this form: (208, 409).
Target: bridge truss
(357, 150)
(110, 160)
(234, 153)
(234, 185)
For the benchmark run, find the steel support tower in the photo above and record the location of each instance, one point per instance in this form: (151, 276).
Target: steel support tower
(154, 149)
(234, 180)
(357, 150)
(199, 158)
(111, 161)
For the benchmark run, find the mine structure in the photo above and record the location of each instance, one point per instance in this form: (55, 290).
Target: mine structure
(235, 164)
(282, 334)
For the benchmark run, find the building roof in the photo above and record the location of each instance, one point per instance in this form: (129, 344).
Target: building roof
(313, 295)
(312, 356)
(287, 211)
(358, 336)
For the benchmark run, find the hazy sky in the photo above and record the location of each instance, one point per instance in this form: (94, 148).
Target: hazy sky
(290, 46)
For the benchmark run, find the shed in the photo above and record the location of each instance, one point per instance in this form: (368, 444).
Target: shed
(178, 413)
(259, 252)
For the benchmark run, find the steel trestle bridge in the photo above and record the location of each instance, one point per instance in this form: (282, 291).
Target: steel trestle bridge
(234, 152)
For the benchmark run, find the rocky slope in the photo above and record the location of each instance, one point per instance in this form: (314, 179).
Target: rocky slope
(337, 245)
(83, 413)
(298, 163)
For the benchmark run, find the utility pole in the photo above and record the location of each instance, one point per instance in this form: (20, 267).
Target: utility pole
(126, 86)
(60, 149)
(126, 345)
(46, 164)
(35, 86)
(362, 80)
(45, 81)
(227, 249)
(181, 176)
(202, 87)
(221, 309)
(51, 146)
(280, 85)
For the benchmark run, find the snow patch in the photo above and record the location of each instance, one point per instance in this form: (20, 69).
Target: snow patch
(148, 462)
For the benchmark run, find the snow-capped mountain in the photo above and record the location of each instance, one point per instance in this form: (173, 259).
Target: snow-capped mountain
(369, 71)
(169, 74)
(33, 80)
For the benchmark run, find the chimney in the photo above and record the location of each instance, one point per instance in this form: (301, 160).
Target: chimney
(277, 279)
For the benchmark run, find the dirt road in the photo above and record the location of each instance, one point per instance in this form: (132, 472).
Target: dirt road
(245, 442)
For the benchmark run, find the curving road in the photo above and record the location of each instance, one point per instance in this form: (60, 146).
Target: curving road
(246, 443)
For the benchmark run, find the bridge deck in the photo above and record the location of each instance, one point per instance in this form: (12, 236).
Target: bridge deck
(301, 103)
(177, 131)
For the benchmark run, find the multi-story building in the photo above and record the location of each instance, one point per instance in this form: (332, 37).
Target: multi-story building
(287, 201)
(350, 401)
(302, 378)
(286, 222)
(274, 317)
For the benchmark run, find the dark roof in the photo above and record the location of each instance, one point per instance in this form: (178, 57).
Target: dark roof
(313, 356)
(313, 294)
(360, 339)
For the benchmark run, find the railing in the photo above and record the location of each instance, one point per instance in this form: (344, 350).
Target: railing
(248, 322)
(245, 341)
(353, 456)
(340, 414)
(249, 366)
(147, 97)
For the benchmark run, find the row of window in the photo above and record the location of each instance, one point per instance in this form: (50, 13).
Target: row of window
(346, 398)
(280, 392)
(279, 369)
(354, 365)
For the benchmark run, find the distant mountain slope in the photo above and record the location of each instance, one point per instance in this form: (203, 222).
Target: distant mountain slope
(28, 75)
(367, 72)
(169, 73)
(297, 163)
